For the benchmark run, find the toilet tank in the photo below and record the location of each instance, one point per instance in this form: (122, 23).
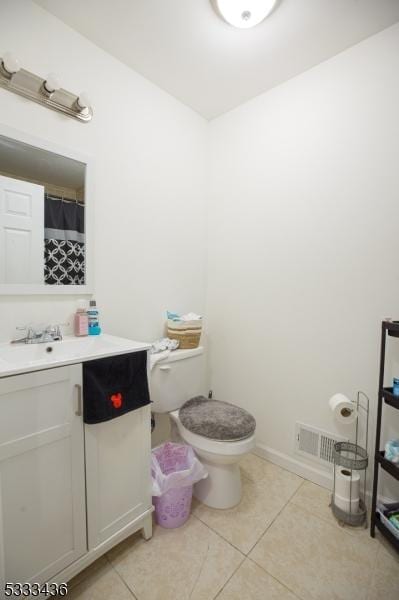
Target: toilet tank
(178, 378)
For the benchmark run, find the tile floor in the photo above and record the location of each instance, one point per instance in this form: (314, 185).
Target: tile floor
(280, 543)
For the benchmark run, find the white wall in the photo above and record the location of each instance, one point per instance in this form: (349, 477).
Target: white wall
(149, 153)
(303, 214)
(303, 251)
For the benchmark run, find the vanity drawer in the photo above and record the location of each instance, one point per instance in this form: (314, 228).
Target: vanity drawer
(35, 402)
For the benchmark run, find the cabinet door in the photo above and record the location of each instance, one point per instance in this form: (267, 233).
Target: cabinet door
(118, 477)
(42, 486)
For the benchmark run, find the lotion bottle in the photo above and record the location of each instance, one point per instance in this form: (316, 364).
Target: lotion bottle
(81, 320)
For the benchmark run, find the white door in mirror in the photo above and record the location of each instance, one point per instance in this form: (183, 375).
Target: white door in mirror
(21, 231)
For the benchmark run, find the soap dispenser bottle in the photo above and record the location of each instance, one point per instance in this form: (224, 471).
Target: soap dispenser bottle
(94, 323)
(81, 320)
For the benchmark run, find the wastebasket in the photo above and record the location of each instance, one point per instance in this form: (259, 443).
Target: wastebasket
(174, 470)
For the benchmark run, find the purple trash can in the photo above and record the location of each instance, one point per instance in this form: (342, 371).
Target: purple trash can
(172, 509)
(174, 469)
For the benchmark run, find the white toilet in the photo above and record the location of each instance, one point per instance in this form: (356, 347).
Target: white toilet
(174, 381)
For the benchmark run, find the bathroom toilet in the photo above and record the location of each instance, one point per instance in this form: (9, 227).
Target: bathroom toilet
(220, 433)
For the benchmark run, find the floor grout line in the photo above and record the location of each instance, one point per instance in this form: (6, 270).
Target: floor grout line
(323, 520)
(333, 522)
(276, 517)
(243, 555)
(107, 566)
(125, 583)
(219, 534)
(232, 575)
(291, 504)
(88, 573)
(200, 571)
(267, 527)
(126, 586)
(120, 577)
(276, 579)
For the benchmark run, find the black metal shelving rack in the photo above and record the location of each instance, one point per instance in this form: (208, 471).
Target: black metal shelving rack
(385, 396)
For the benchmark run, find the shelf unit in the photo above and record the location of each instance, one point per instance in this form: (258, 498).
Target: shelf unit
(385, 396)
(390, 398)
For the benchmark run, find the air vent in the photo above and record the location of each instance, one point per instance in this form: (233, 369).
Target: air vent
(308, 441)
(315, 443)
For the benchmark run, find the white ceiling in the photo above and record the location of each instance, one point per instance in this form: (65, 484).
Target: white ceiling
(183, 47)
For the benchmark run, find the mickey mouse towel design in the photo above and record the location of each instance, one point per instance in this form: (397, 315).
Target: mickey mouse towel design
(114, 386)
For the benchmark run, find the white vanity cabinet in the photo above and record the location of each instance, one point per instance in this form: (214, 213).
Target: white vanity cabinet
(68, 491)
(42, 477)
(118, 456)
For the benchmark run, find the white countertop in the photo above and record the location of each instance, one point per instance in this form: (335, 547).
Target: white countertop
(16, 359)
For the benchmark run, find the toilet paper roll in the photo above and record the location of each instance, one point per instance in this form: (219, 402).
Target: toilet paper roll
(347, 484)
(344, 410)
(349, 506)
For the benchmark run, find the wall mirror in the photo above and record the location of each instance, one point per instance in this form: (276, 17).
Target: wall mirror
(44, 237)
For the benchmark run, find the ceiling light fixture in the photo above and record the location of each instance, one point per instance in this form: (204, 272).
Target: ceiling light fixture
(244, 13)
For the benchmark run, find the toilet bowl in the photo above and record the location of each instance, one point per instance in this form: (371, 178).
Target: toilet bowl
(222, 487)
(173, 382)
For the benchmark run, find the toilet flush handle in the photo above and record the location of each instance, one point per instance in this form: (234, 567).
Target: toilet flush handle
(165, 368)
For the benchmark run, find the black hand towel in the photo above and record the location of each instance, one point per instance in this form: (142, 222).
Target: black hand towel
(114, 386)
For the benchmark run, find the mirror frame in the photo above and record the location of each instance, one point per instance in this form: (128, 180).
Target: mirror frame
(16, 289)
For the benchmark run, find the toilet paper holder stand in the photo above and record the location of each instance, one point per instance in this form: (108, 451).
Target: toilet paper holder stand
(353, 457)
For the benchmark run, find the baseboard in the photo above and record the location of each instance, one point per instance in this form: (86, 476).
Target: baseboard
(313, 474)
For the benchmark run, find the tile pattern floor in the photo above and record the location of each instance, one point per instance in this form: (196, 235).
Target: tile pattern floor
(280, 543)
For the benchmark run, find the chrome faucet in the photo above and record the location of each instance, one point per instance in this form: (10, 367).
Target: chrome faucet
(51, 333)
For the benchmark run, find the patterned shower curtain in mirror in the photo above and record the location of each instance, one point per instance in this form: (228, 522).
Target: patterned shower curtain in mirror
(64, 241)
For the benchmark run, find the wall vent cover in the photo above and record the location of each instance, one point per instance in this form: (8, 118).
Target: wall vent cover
(315, 443)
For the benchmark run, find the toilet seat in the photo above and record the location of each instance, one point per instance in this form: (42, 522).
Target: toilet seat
(216, 420)
(213, 447)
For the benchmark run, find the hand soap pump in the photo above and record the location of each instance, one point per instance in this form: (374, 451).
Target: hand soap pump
(81, 320)
(94, 324)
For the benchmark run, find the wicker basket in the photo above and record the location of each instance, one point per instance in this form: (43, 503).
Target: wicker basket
(187, 333)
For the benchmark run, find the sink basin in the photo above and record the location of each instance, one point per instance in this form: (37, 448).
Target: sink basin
(24, 358)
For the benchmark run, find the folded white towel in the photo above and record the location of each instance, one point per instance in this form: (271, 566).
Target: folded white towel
(191, 317)
(155, 358)
(188, 317)
(164, 344)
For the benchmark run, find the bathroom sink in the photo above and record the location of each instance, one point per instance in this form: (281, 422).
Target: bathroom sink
(24, 358)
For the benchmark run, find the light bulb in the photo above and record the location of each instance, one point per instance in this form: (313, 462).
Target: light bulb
(244, 13)
(52, 83)
(10, 63)
(83, 102)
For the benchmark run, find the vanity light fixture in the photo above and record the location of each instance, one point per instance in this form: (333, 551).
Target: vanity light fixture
(47, 92)
(9, 65)
(50, 85)
(83, 103)
(244, 13)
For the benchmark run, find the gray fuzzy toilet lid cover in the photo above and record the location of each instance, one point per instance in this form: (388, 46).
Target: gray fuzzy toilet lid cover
(216, 420)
